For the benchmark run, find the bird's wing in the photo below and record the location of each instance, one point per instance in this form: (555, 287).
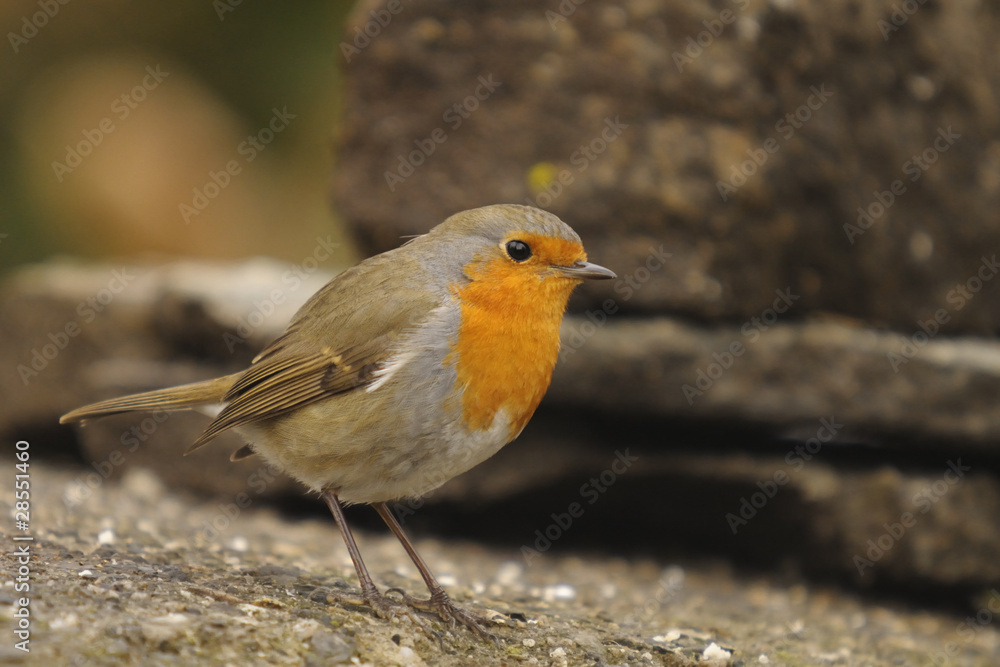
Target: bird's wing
(333, 345)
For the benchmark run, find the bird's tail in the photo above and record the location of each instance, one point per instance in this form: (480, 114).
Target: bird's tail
(183, 397)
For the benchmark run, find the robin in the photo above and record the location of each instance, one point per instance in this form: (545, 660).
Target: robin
(402, 372)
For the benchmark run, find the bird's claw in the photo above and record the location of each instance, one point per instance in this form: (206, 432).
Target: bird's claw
(385, 607)
(440, 604)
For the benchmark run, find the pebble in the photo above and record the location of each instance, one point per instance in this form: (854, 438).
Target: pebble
(509, 573)
(715, 655)
(239, 543)
(167, 627)
(70, 620)
(558, 592)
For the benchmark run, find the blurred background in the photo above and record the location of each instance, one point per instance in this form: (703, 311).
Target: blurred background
(115, 114)
(799, 198)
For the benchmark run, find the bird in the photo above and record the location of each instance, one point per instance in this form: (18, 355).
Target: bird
(402, 372)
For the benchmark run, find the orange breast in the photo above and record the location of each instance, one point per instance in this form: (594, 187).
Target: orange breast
(508, 340)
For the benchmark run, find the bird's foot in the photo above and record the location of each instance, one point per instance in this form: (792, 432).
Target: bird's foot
(440, 604)
(384, 607)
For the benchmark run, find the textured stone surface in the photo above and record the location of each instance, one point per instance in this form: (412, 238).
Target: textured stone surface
(873, 382)
(879, 99)
(128, 578)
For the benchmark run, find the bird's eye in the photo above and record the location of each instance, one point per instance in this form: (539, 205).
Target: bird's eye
(519, 251)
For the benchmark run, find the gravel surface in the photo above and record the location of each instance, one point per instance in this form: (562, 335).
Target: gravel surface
(131, 576)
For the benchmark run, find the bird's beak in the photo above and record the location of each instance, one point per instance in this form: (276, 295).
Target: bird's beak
(586, 270)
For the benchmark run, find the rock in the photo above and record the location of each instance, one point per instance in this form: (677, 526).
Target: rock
(833, 149)
(879, 527)
(165, 595)
(933, 392)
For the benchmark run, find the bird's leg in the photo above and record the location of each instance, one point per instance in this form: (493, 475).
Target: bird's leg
(439, 601)
(384, 606)
(368, 589)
